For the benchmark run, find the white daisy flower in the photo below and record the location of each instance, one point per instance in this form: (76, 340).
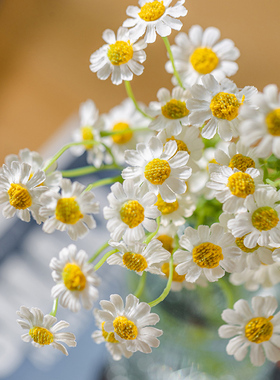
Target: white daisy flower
(257, 328)
(262, 128)
(217, 105)
(166, 235)
(200, 53)
(232, 187)
(90, 127)
(160, 167)
(209, 251)
(69, 210)
(43, 329)
(170, 112)
(20, 191)
(261, 223)
(139, 257)
(154, 17)
(116, 348)
(119, 56)
(130, 323)
(131, 211)
(76, 279)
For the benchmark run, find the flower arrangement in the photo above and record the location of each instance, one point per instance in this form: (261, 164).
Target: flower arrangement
(205, 139)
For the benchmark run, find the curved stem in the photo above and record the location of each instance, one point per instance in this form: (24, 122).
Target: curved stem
(132, 97)
(97, 253)
(149, 238)
(169, 51)
(54, 308)
(141, 285)
(225, 287)
(104, 258)
(102, 182)
(166, 291)
(88, 170)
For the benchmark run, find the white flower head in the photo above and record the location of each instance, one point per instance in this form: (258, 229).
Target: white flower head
(75, 279)
(130, 323)
(20, 191)
(43, 329)
(120, 56)
(139, 257)
(160, 167)
(69, 210)
(232, 187)
(207, 250)
(131, 211)
(170, 112)
(201, 53)
(154, 17)
(256, 328)
(217, 105)
(262, 128)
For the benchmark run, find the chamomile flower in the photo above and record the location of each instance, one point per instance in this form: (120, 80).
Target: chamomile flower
(170, 112)
(260, 224)
(262, 128)
(208, 251)
(217, 105)
(120, 56)
(159, 167)
(200, 53)
(75, 279)
(131, 211)
(69, 210)
(116, 348)
(139, 257)
(43, 329)
(154, 17)
(232, 186)
(130, 323)
(256, 328)
(20, 191)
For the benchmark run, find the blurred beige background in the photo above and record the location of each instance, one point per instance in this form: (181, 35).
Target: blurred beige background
(45, 47)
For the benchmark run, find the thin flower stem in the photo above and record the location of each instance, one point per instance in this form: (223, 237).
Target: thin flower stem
(123, 132)
(166, 291)
(97, 253)
(141, 285)
(169, 51)
(88, 170)
(63, 149)
(102, 182)
(226, 288)
(104, 258)
(153, 234)
(54, 308)
(132, 97)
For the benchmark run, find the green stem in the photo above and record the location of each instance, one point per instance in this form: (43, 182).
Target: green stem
(97, 253)
(226, 288)
(141, 285)
(102, 182)
(54, 308)
(88, 170)
(122, 132)
(149, 238)
(104, 258)
(63, 149)
(166, 291)
(169, 51)
(132, 97)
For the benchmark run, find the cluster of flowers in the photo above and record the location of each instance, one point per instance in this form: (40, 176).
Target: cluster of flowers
(159, 189)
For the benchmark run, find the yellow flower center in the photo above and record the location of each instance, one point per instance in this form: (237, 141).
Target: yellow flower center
(157, 171)
(87, 134)
(19, 197)
(265, 218)
(259, 329)
(41, 335)
(273, 122)
(68, 211)
(152, 11)
(109, 337)
(204, 60)
(121, 138)
(240, 244)
(241, 184)
(120, 52)
(176, 277)
(167, 242)
(166, 208)
(207, 255)
(225, 106)
(73, 277)
(241, 162)
(132, 213)
(180, 145)
(135, 261)
(175, 109)
(125, 328)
